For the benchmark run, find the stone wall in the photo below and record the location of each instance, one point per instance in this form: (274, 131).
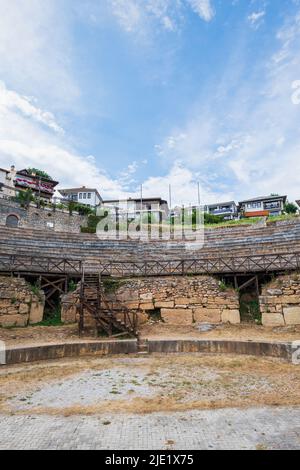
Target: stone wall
(42, 219)
(280, 301)
(179, 300)
(19, 306)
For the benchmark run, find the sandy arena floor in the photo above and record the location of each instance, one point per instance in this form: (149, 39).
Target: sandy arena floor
(69, 333)
(183, 401)
(177, 382)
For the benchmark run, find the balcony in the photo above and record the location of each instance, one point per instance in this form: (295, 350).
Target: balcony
(225, 210)
(272, 205)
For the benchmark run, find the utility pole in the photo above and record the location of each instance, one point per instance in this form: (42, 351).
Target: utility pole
(141, 207)
(39, 200)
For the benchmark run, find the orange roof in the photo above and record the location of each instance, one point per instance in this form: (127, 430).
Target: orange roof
(257, 214)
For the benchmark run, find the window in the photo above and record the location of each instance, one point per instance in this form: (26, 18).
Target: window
(89, 196)
(80, 195)
(12, 221)
(84, 195)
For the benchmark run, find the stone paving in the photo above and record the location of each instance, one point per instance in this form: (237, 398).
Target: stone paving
(254, 428)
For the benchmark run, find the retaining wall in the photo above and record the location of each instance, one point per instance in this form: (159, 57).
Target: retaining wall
(42, 219)
(58, 351)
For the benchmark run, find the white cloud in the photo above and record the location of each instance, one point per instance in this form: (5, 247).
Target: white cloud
(184, 186)
(247, 142)
(255, 19)
(136, 16)
(203, 8)
(11, 100)
(128, 12)
(35, 49)
(24, 142)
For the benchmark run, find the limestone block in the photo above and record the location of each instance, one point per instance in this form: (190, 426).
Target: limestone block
(132, 305)
(24, 308)
(290, 299)
(148, 296)
(231, 316)
(272, 319)
(207, 315)
(13, 320)
(219, 300)
(146, 306)
(36, 312)
(292, 315)
(13, 310)
(195, 300)
(164, 304)
(5, 303)
(182, 301)
(68, 313)
(274, 291)
(6, 294)
(177, 316)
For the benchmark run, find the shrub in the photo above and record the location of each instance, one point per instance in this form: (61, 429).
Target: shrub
(213, 219)
(40, 173)
(24, 198)
(290, 208)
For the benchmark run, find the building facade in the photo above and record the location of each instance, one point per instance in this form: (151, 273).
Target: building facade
(228, 210)
(263, 206)
(7, 185)
(40, 186)
(86, 196)
(133, 207)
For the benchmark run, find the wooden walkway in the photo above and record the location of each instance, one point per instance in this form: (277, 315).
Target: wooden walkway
(266, 263)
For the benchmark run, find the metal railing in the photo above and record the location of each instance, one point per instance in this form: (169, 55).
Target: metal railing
(206, 265)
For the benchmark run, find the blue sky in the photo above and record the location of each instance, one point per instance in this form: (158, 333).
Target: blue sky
(118, 93)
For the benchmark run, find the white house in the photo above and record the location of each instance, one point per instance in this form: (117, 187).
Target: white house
(228, 210)
(132, 207)
(263, 206)
(87, 196)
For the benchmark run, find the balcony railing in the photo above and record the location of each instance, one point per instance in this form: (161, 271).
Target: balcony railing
(222, 211)
(272, 205)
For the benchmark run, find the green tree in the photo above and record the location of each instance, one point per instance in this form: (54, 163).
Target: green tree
(40, 173)
(290, 208)
(24, 198)
(213, 219)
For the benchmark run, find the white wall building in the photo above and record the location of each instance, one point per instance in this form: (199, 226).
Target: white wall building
(87, 196)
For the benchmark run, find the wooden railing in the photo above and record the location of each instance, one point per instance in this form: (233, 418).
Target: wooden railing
(206, 265)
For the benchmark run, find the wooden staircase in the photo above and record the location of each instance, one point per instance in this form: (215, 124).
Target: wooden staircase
(92, 300)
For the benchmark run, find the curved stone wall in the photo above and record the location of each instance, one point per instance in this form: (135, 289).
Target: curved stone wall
(101, 348)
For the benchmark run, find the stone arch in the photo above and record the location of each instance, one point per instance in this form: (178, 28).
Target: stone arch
(12, 220)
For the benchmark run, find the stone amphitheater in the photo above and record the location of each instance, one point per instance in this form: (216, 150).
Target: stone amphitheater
(204, 390)
(241, 241)
(234, 253)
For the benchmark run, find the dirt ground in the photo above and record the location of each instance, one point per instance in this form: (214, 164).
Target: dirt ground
(69, 333)
(140, 385)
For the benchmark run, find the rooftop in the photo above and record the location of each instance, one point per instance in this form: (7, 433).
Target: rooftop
(136, 199)
(79, 190)
(264, 198)
(221, 204)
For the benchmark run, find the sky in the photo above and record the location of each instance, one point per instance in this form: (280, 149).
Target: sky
(115, 94)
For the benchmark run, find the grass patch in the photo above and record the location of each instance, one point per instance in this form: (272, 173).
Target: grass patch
(250, 311)
(51, 319)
